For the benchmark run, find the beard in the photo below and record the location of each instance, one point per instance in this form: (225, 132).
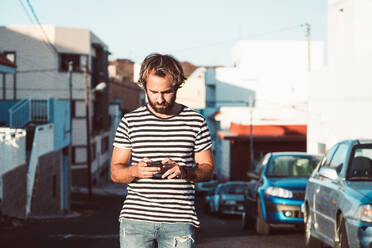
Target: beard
(165, 107)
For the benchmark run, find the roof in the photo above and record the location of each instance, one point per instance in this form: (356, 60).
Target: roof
(292, 153)
(365, 141)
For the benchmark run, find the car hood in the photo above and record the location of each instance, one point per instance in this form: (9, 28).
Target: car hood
(291, 183)
(362, 188)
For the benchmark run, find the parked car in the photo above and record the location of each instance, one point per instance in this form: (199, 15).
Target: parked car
(227, 198)
(276, 191)
(338, 200)
(206, 188)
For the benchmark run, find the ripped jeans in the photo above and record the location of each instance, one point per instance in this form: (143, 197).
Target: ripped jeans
(143, 234)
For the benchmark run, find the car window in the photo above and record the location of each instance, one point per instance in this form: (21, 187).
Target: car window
(292, 166)
(339, 157)
(234, 189)
(262, 164)
(361, 164)
(327, 158)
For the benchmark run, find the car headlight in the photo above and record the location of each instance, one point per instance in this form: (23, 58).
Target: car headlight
(365, 213)
(279, 192)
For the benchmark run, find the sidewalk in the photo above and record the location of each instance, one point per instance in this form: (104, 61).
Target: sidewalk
(108, 188)
(80, 205)
(92, 222)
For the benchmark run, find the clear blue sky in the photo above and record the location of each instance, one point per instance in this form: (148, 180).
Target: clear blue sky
(200, 31)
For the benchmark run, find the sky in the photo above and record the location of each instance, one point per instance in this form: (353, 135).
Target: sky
(202, 32)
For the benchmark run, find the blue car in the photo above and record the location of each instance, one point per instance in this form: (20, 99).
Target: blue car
(338, 200)
(276, 191)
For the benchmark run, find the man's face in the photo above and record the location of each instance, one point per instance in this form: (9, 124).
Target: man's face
(160, 93)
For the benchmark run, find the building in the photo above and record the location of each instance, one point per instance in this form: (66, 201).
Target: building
(340, 99)
(123, 90)
(267, 89)
(34, 168)
(43, 57)
(7, 69)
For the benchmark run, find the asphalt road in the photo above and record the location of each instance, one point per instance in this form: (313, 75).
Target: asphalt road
(94, 224)
(226, 231)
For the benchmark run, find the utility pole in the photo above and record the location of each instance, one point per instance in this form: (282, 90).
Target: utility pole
(87, 117)
(251, 131)
(308, 35)
(70, 68)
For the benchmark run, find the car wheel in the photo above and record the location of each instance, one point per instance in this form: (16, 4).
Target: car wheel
(310, 241)
(246, 221)
(342, 235)
(261, 226)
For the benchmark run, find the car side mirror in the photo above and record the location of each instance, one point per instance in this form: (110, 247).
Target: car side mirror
(328, 172)
(253, 175)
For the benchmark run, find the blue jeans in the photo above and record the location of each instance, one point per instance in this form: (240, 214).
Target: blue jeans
(143, 234)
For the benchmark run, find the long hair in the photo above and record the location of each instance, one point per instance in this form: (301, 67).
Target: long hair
(162, 65)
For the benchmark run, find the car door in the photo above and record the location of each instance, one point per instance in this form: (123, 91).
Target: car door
(313, 191)
(328, 193)
(254, 184)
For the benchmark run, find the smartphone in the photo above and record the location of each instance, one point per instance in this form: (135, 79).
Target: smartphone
(157, 164)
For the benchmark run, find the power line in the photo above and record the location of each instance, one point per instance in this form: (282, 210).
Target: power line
(33, 23)
(244, 37)
(25, 10)
(41, 27)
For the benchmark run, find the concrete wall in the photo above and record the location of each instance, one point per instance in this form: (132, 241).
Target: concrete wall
(13, 202)
(61, 121)
(12, 149)
(278, 68)
(34, 188)
(47, 189)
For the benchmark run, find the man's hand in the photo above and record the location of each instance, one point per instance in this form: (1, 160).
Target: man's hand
(141, 170)
(173, 169)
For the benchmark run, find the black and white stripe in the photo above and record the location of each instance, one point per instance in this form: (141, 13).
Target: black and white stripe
(177, 137)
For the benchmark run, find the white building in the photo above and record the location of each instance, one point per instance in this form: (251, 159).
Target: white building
(274, 74)
(42, 57)
(340, 95)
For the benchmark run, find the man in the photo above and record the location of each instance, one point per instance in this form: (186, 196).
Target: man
(161, 209)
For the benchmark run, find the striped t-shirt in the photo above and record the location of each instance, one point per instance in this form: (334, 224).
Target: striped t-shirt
(178, 138)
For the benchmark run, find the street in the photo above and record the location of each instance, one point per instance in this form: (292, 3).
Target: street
(94, 224)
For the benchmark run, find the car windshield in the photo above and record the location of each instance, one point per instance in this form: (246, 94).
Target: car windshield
(360, 168)
(233, 189)
(292, 166)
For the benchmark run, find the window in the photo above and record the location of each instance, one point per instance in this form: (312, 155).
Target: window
(327, 158)
(11, 56)
(339, 157)
(360, 167)
(262, 164)
(76, 59)
(93, 150)
(104, 144)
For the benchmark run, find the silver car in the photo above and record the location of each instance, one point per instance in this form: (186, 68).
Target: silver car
(338, 198)
(228, 198)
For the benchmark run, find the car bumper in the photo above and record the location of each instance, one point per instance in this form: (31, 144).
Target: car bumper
(284, 211)
(232, 209)
(359, 233)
